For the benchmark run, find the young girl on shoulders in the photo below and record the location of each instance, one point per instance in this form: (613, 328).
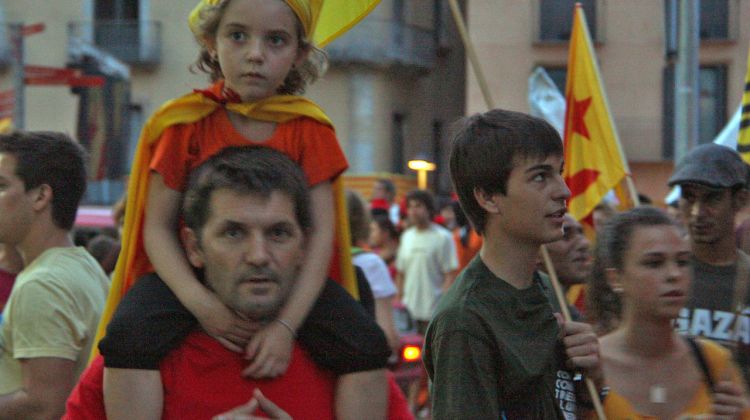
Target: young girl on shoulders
(260, 57)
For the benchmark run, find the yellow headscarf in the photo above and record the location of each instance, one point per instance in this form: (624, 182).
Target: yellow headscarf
(322, 23)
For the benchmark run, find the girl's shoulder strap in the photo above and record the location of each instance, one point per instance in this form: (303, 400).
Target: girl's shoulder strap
(703, 362)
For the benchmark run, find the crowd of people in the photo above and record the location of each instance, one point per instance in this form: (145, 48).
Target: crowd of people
(250, 282)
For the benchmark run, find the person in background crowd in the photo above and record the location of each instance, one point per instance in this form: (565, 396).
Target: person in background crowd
(571, 259)
(426, 259)
(10, 264)
(447, 215)
(384, 240)
(50, 319)
(713, 183)
(653, 372)
(118, 214)
(374, 268)
(673, 211)
(602, 212)
(105, 249)
(468, 241)
(382, 200)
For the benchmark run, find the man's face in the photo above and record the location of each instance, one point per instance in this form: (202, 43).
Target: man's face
(708, 213)
(533, 207)
(417, 213)
(16, 204)
(251, 248)
(571, 255)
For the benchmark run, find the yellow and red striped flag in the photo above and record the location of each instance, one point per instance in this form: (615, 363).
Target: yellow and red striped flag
(594, 162)
(743, 137)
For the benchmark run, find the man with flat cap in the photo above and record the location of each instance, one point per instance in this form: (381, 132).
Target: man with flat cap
(714, 187)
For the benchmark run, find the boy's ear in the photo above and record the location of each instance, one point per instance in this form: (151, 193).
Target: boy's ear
(42, 196)
(192, 247)
(612, 275)
(487, 201)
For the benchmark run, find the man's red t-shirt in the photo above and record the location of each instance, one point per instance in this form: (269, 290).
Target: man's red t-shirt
(202, 379)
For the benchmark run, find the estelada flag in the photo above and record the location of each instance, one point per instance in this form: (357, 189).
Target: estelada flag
(743, 137)
(594, 162)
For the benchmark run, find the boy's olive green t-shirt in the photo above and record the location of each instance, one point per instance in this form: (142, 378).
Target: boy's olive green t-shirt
(493, 351)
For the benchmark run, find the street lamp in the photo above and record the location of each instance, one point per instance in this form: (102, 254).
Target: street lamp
(422, 166)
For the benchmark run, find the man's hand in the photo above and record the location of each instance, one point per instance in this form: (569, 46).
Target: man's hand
(270, 351)
(231, 330)
(582, 350)
(246, 411)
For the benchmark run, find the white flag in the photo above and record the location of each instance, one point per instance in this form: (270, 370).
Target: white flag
(545, 100)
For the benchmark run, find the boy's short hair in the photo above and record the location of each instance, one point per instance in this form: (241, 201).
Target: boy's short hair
(487, 146)
(425, 197)
(54, 159)
(245, 170)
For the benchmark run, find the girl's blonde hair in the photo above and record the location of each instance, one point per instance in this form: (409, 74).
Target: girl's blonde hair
(314, 66)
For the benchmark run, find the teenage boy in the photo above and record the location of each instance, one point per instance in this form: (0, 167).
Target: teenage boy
(495, 348)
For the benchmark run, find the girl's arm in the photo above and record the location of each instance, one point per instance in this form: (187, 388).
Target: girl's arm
(270, 349)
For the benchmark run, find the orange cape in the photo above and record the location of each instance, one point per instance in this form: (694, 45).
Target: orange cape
(188, 109)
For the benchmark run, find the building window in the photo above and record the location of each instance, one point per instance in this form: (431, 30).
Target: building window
(397, 151)
(116, 10)
(556, 19)
(712, 102)
(712, 105)
(714, 20)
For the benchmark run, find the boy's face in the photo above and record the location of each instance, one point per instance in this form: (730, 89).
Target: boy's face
(418, 213)
(533, 208)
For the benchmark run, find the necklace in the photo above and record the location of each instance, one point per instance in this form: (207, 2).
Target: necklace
(657, 394)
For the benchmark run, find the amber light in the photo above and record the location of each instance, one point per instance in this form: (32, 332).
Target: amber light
(411, 353)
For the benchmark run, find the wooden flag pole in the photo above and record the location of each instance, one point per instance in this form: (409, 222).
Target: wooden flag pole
(469, 46)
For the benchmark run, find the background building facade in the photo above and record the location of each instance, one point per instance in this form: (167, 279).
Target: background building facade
(395, 82)
(512, 37)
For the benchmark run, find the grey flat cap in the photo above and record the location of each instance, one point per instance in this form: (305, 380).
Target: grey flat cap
(711, 165)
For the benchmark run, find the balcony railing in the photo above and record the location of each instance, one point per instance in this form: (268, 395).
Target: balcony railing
(137, 43)
(383, 42)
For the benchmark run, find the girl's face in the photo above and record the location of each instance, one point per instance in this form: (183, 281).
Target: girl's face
(655, 277)
(257, 43)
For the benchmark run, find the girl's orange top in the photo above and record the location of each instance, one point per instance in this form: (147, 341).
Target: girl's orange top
(308, 143)
(718, 359)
